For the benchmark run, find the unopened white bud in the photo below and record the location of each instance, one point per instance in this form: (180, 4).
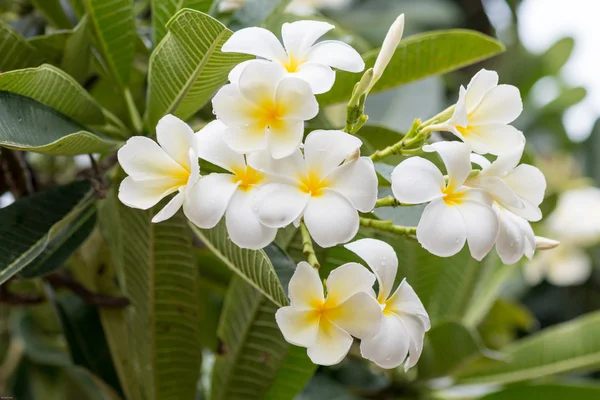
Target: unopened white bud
(390, 43)
(542, 243)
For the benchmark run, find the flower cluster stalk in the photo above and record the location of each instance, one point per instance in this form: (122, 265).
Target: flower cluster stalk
(307, 247)
(388, 226)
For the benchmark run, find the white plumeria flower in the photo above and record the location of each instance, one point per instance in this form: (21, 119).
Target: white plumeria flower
(566, 265)
(230, 5)
(576, 218)
(404, 321)
(226, 194)
(324, 324)
(515, 236)
(519, 188)
(455, 213)
(265, 109)
(157, 171)
(316, 186)
(483, 112)
(301, 57)
(388, 48)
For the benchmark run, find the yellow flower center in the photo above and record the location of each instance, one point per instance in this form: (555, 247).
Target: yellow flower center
(451, 197)
(292, 64)
(247, 177)
(312, 184)
(270, 115)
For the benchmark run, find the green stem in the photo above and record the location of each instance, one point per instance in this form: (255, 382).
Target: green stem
(307, 247)
(134, 114)
(389, 201)
(398, 147)
(441, 117)
(388, 226)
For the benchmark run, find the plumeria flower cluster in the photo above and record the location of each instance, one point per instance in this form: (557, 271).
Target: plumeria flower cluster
(271, 178)
(391, 326)
(485, 206)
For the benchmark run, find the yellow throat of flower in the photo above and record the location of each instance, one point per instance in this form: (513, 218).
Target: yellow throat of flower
(270, 115)
(312, 184)
(452, 197)
(293, 64)
(247, 177)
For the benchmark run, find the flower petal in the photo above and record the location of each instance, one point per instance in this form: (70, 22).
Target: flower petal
(357, 181)
(346, 281)
(405, 301)
(482, 227)
(441, 230)
(506, 161)
(146, 194)
(236, 72)
(211, 146)
(298, 37)
(256, 41)
(258, 82)
(360, 315)
(285, 138)
(389, 347)
(299, 328)
(287, 168)
(246, 139)
(305, 288)
(381, 258)
(295, 96)
(500, 105)
(493, 138)
(331, 219)
(572, 267)
(416, 181)
(529, 183)
(457, 159)
(325, 150)
(416, 334)
(243, 226)
(170, 209)
(331, 346)
(209, 198)
(231, 107)
(459, 116)
(142, 158)
(513, 237)
(175, 137)
(279, 204)
(320, 77)
(498, 189)
(480, 84)
(336, 54)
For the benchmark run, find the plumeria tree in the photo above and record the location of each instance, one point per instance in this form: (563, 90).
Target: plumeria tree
(229, 237)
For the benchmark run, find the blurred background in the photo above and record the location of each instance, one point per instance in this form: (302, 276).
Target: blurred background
(551, 56)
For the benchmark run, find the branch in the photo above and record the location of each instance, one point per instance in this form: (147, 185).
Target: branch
(388, 226)
(60, 280)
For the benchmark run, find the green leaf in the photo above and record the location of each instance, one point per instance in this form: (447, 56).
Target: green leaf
(448, 346)
(83, 331)
(257, 362)
(568, 347)
(54, 12)
(253, 266)
(157, 273)
(62, 245)
(418, 57)
(78, 52)
(54, 88)
(163, 10)
(187, 67)
(29, 224)
(554, 391)
(28, 125)
(257, 12)
(52, 46)
(114, 30)
(16, 51)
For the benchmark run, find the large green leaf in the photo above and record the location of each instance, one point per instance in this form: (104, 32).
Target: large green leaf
(26, 124)
(77, 55)
(54, 88)
(551, 391)
(53, 10)
(253, 266)
(187, 67)
(257, 362)
(157, 273)
(114, 30)
(51, 46)
(418, 57)
(30, 223)
(16, 52)
(163, 10)
(568, 347)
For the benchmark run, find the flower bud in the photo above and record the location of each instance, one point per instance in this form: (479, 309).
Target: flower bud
(390, 43)
(542, 243)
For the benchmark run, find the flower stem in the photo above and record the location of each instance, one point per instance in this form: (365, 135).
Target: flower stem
(389, 201)
(307, 247)
(388, 226)
(134, 114)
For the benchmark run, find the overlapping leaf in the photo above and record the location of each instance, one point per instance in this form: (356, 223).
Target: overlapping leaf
(26, 124)
(163, 10)
(418, 57)
(187, 67)
(16, 51)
